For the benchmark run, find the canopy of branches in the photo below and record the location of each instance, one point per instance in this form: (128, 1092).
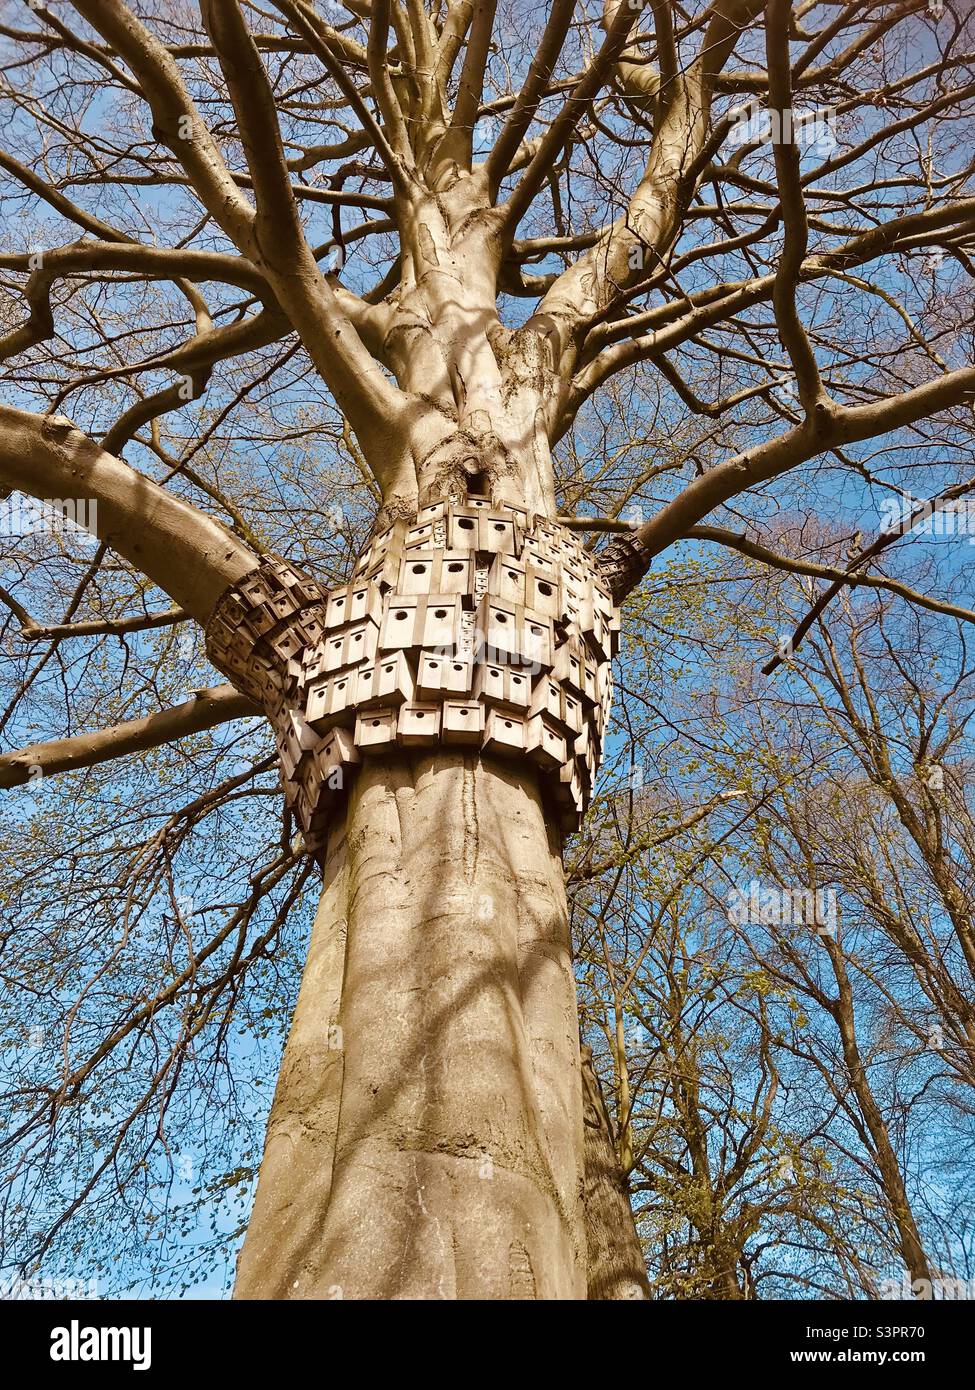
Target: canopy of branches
(700, 272)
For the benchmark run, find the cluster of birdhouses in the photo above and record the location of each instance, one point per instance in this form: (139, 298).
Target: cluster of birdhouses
(474, 626)
(262, 625)
(624, 562)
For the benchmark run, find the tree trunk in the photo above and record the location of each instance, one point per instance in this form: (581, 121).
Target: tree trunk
(909, 1238)
(426, 1136)
(616, 1269)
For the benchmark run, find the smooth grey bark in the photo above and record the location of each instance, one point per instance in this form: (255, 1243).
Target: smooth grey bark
(615, 1264)
(433, 1147)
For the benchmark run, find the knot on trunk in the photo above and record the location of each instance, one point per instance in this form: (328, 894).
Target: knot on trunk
(468, 460)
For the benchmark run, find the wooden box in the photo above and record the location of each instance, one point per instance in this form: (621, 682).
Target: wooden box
(442, 622)
(569, 666)
(287, 643)
(462, 721)
(545, 744)
(546, 697)
(365, 679)
(420, 536)
(401, 629)
(441, 675)
(572, 712)
(365, 602)
(419, 572)
(538, 553)
(489, 682)
(337, 753)
(283, 605)
(517, 688)
(340, 705)
(384, 574)
(254, 587)
(313, 662)
(590, 679)
(361, 643)
(316, 701)
(352, 602)
(295, 738)
(462, 528)
(537, 640)
(504, 733)
(433, 511)
(393, 681)
(334, 652)
(497, 629)
(311, 625)
(429, 679)
(456, 573)
(507, 579)
(498, 533)
(542, 592)
(375, 731)
(509, 632)
(418, 725)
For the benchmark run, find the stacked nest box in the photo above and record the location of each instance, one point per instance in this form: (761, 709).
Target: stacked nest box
(475, 627)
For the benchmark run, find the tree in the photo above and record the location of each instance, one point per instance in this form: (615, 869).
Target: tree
(792, 1094)
(899, 852)
(798, 1084)
(465, 143)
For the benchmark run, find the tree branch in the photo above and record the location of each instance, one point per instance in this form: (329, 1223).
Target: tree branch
(190, 556)
(736, 540)
(176, 119)
(842, 426)
(468, 102)
(778, 17)
(573, 111)
(101, 627)
(924, 510)
(533, 89)
(208, 708)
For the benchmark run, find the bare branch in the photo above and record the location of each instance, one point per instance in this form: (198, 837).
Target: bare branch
(179, 548)
(175, 116)
(533, 89)
(851, 577)
(778, 17)
(206, 710)
(919, 513)
(844, 425)
(574, 110)
(102, 627)
(469, 91)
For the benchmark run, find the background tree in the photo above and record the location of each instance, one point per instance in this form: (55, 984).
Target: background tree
(795, 1100)
(307, 269)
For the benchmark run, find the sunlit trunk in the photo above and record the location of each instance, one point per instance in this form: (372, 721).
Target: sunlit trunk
(426, 1137)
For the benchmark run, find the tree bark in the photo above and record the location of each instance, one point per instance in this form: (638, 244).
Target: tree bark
(616, 1268)
(433, 1147)
(909, 1238)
